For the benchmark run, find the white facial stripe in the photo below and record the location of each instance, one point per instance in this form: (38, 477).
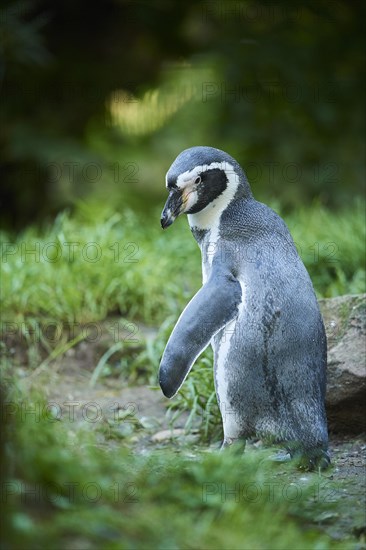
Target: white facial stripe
(190, 175)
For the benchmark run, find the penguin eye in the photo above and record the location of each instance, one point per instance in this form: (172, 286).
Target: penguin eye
(197, 180)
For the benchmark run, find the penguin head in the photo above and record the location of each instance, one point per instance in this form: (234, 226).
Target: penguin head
(202, 180)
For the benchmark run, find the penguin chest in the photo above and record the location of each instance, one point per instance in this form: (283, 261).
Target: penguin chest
(209, 247)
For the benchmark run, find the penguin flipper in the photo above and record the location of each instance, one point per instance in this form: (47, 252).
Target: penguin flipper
(211, 309)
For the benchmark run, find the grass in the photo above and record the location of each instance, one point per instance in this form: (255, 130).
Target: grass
(67, 488)
(332, 246)
(93, 267)
(94, 264)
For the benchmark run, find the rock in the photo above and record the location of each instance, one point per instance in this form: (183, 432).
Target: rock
(149, 422)
(345, 323)
(176, 433)
(165, 435)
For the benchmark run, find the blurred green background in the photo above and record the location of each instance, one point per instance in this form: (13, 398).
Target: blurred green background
(99, 98)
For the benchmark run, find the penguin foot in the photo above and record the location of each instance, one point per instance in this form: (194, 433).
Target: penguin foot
(316, 459)
(281, 456)
(237, 445)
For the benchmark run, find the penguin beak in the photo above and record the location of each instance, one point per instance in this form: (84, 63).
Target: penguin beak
(173, 207)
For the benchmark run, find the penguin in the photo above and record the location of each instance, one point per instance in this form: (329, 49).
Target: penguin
(256, 307)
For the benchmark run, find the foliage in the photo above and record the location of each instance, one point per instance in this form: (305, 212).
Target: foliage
(63, 486)
(279, 86)
(99, 262)
(91, 268)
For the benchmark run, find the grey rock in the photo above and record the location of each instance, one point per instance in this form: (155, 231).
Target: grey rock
(345, 323)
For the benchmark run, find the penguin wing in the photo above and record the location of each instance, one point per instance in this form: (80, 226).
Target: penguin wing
(213, 307)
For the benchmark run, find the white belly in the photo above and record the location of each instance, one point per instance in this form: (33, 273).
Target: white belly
(227, 339)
